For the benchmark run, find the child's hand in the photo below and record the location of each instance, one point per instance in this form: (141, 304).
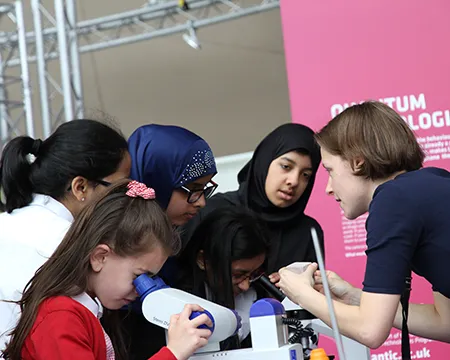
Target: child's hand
(184, 338)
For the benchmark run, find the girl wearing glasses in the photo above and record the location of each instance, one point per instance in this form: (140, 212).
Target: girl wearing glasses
(45, 186)
(180, 166)
(276, 184)
(227, 252)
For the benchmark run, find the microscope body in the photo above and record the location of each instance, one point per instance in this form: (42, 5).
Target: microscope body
(269, 333)
(269, 336)
(311, 326)
(268, 326)
(160, 302)
(353, 349)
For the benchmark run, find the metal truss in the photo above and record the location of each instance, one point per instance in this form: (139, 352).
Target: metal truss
(65, 39)
(62, 40)
(14, 112)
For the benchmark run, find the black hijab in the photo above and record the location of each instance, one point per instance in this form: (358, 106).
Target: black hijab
(252, 177)
(290, 227)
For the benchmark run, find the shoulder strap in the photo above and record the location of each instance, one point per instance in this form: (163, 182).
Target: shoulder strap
(404, 300)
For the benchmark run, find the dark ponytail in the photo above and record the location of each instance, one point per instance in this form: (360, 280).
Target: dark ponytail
(15, 172)
(85, 148)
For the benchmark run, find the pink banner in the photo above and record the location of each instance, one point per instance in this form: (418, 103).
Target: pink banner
(343, 52)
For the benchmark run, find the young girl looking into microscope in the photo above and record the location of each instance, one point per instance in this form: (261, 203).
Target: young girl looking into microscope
(122, 234)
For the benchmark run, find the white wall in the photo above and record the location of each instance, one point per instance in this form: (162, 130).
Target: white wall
(228, 168)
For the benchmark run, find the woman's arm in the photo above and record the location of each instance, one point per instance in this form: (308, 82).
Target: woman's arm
(368, 323)
(430, 321)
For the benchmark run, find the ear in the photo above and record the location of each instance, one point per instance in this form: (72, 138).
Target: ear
(98, 257)
(201, 260)
(357, 163)
(79, 187)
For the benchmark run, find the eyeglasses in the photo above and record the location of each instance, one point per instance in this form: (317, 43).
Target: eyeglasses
(254, 276)
(195, 195)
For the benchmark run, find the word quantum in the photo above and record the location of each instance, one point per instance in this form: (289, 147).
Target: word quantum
(412, 109)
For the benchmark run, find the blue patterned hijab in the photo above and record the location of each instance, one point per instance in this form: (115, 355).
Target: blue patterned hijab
(165, 157)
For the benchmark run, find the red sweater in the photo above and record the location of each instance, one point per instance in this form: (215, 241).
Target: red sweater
(66, 330)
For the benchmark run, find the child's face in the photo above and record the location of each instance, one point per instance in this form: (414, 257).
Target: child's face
(287, 178)
(179, 210)
(112, 278)
(243, 271)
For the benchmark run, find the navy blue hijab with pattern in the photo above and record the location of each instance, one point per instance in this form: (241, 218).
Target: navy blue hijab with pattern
(166, 157)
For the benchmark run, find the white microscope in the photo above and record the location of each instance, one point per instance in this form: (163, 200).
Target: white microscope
(268, 325)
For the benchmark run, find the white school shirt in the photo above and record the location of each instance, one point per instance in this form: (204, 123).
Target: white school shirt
(28, 236)
(242, 304)
(95, 306)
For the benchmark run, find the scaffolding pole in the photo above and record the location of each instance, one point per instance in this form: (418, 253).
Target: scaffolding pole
(64, 61)
(53, 111)
(4, 111)
(75, 66)
(41, 69)
(16, 116)
(24, 69)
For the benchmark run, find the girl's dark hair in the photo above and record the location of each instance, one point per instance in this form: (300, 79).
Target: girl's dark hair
(129, 226)
(85, 148)
(225, 235)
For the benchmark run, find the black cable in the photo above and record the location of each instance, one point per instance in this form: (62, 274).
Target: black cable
(300, 331)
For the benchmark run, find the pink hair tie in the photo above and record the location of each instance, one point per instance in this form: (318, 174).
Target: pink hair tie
(136, 189)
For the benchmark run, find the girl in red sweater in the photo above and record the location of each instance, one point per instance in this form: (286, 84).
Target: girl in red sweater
(121, 235)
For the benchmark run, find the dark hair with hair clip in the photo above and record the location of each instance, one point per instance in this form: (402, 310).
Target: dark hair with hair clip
(85, 148)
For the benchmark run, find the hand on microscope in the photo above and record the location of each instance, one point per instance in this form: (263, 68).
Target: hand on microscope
(274, 278)
(293, 284)
(340, 289)
(184, 336)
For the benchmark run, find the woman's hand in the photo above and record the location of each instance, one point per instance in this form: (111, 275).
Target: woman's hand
(340, 289)
(293, 284)
(274, 277)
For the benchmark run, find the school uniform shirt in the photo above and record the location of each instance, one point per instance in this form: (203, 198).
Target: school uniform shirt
(69, 328)
(28, 237)
(242, 304)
